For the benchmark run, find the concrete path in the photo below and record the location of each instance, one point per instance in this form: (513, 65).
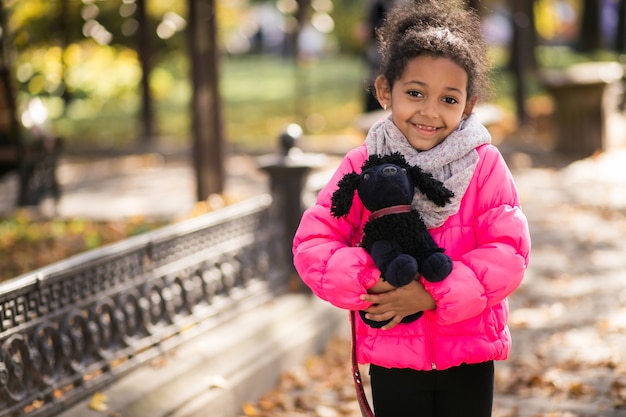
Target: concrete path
(568, 319)
(138, 185)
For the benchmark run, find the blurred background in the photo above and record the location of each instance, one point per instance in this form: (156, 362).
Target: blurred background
(77, 66)
(119, 117)
(206, 80)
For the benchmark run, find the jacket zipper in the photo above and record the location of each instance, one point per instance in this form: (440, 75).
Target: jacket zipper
(431, 343)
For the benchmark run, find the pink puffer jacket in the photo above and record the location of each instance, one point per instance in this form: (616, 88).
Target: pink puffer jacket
(488, 241)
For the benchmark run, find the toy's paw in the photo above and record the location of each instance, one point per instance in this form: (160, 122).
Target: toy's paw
(401, 271)
(372, 323)
(436, 267)
(412, 317)
(384, 251)
(378, 324)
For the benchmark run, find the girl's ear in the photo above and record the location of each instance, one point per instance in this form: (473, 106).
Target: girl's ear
(469, 106)
(383, 91)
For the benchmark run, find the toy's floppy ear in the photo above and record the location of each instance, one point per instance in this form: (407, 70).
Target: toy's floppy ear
(432, 188)
(342, 198)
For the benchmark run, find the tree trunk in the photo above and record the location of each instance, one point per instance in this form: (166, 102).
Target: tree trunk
(7, 92)
(620, 38)
(206, 112)
(590, 36)
(522, 60)
(145, 59)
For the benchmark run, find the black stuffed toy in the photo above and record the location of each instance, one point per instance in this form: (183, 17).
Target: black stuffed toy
(395, 234)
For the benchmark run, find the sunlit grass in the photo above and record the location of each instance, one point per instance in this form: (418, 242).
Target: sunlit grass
(260, 96)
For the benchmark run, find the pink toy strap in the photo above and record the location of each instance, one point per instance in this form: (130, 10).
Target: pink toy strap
(403, 208)
(366, 411)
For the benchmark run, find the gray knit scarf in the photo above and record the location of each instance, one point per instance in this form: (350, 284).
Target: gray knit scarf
(452, 162)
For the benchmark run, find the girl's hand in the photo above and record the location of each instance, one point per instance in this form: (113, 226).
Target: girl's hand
(380, 287)
(398, 303)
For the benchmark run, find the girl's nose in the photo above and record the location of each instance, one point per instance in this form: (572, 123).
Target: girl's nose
(429, 109)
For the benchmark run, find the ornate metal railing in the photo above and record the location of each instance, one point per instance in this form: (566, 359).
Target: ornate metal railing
(68, 329)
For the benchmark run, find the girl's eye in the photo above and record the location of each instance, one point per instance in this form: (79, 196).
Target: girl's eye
(414, 93)
(450, 100)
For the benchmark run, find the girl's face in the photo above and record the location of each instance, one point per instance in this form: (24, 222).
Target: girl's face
(428, 101)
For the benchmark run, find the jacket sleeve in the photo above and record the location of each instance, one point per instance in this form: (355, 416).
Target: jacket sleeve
(485, 275)
(325, 248)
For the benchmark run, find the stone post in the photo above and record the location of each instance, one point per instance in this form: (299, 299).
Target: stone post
(288, 172)
(585, 99)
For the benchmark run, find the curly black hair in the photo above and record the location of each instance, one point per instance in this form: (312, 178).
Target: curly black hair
(437, 28)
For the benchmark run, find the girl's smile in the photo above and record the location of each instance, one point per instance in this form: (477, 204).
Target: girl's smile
(426, 130)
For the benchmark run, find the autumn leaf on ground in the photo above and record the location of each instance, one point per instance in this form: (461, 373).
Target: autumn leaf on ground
(99, 403)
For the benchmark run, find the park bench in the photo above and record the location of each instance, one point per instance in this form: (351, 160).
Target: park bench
(35, 162)
(31, 153)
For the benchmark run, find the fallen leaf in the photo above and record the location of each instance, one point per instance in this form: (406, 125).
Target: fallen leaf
(99, 402)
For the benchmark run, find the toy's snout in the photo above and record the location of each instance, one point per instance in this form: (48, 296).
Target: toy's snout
(390, 170)
(385, 185)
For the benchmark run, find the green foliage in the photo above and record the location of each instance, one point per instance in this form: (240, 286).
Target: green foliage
(564, 56)
(42, 23)
(349, 16)
(323, 96)
(92, 91)
(27, 243)
(261, 95)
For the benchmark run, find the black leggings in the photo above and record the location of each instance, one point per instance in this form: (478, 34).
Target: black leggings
(465, 390)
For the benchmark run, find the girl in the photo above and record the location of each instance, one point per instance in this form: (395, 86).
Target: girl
(434, 67)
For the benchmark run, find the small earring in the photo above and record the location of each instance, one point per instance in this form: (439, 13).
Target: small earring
(385, 107)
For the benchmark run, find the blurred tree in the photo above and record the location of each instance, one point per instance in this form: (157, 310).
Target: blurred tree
(590, 35)
(9, 125)
(121, 25)
(207, 131)
(349, 14)
(620, 38)
(522, 60)
(145, 59)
